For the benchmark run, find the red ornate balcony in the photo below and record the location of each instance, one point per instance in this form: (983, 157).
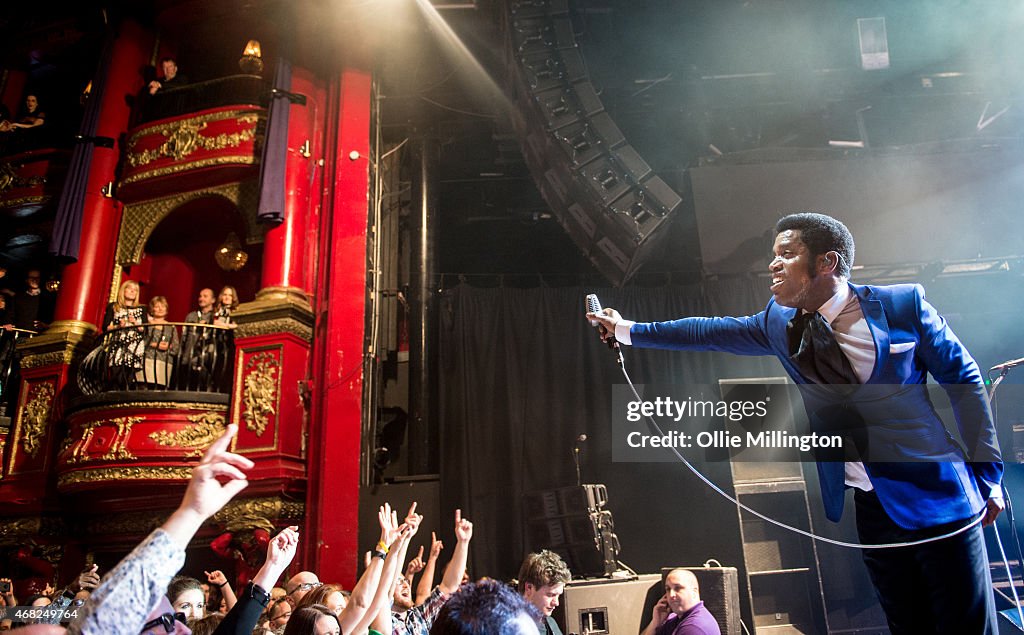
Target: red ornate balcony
(30, 180)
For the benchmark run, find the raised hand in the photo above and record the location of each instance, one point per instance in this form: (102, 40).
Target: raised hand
(89, 579)
(415, 565)
(435, 546)
(282, 548)
(388, 520)
(216, 578)
(217, 479)
(463, 528)
(413, 520)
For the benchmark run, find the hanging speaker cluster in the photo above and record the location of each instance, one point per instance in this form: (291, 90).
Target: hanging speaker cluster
(602, 191)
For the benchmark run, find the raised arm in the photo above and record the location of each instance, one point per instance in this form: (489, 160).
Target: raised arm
(128, 592)
(366, 586)
(426, 584)
(242, 618)
(457, 566)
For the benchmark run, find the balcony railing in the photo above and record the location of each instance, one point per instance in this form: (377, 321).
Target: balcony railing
(167, 357)
(232, 90)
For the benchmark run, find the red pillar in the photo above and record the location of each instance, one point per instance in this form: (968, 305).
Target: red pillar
(85, 284)
(332, 503)
(284, 249)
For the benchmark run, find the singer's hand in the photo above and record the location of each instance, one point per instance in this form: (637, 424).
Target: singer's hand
(606, 321)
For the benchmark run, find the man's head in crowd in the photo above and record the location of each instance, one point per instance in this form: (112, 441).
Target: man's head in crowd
(205, 300)
(403, 595)
(32, 279)
(682, 590)
(169, 67)
(487, 607)
(542, 580)
(302, 582)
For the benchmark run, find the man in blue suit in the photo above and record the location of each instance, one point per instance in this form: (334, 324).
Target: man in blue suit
(845, 345)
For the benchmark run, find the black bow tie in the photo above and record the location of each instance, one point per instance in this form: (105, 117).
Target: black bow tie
(815, 351)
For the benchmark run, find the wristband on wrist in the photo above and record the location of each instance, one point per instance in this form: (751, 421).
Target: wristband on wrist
(382, 547)
(378, 554)
(222, 584)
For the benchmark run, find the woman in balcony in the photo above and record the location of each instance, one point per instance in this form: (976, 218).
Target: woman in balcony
(125, 345)
(28, 131)
(161, 344)
(227, 302)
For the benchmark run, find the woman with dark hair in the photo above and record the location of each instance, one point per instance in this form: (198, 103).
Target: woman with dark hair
(227, 301)
(316, 619)
(186, 596)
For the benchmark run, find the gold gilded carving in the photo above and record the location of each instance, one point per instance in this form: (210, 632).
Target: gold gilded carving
(15, 530)
(140, 219)
(259, 395)
(135, 405)
(48, 359)
(100, 474)
(25, 200)
(9, 178)
(78, 454)
(281, 325)
(236, 512)
(185, 139)
(207, 427)
(35, 416)
(118, 447)
(242, 116)
(242, 159)
(126, 523)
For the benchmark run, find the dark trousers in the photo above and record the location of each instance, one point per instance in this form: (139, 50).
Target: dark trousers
(938, 587)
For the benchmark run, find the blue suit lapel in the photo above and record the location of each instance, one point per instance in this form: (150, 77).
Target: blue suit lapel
(875, 317)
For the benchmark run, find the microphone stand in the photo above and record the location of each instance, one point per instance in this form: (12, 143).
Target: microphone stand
(576, 459)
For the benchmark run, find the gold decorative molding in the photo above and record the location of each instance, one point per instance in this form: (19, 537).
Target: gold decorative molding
(236, 512)
(125, 523)
(207, 427)
(239, 159)
(59, 344)
(17, 531)
(140, 219)
(166, 128)
(119, 446)
(270, 327)
(78, 453)
(117, 473)
(133, 405)
(19, 528)
(184, 138)
(26, 200)
(259, 392)
(47, 359)
(35, 415)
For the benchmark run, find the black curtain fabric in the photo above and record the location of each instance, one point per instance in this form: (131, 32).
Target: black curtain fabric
(523, 374)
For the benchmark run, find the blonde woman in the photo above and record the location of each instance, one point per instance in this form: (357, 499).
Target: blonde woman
(125, 345)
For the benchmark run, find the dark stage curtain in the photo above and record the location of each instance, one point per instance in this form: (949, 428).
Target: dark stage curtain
(523, 374)
(67, 226)
(275, 147)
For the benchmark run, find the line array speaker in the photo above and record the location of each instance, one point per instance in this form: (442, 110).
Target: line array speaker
(600, 189)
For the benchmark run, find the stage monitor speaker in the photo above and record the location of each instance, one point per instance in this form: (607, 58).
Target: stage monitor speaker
(606, 606)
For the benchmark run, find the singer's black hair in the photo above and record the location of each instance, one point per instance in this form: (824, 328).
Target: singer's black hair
(822, 234)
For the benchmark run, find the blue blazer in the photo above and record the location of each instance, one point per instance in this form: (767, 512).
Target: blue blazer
(924, 478)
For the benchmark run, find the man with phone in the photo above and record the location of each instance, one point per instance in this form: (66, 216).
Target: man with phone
(680, 611)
